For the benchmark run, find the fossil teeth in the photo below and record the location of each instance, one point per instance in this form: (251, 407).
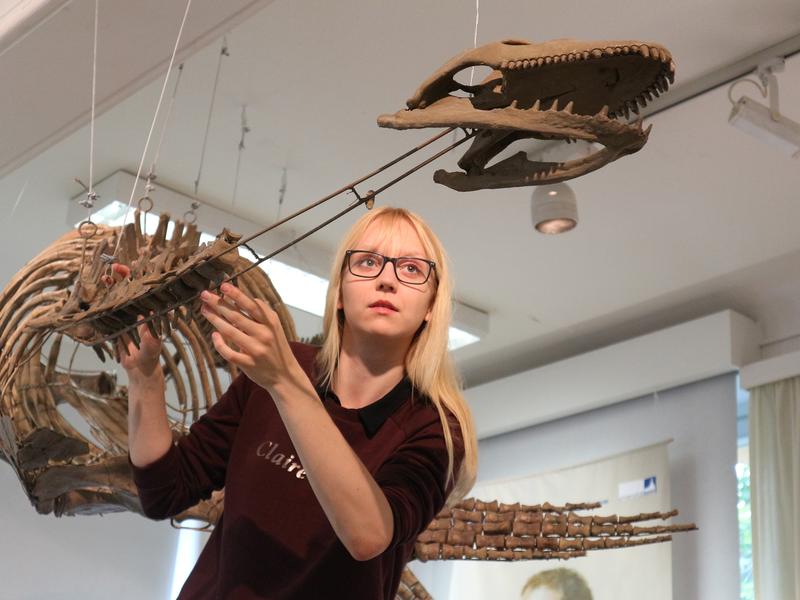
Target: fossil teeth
(644, 51)
(555, 105)
(672, 66)
(504, 65)
(663, 56)
(671, 76)
(597, 53)
(536, 105)
(585, 54)
(647, 131)
(572, 57)
(556, 59)
(626, 111)
(548, 60)
(526, 64)
(608, 51)
(604, 111)
(654, 54)
(626, 49)
(568, 107)
(633, 106)
(539, 62)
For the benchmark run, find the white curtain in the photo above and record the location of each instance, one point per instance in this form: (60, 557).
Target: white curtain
(775, 489)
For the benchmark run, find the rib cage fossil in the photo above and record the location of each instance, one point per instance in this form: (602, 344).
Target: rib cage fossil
(61, 292)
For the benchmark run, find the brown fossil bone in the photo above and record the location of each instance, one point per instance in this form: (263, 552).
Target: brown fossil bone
(62, 470)
(557, 90)
(474, 529)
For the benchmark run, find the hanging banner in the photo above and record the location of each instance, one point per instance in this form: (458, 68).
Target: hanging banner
(626, 484)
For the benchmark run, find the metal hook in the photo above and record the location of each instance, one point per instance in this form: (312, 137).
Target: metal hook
(190, 216)
(84, 233)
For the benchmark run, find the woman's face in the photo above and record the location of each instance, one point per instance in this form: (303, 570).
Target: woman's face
(386, 307)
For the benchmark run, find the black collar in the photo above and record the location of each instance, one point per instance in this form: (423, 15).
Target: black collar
(374, 415)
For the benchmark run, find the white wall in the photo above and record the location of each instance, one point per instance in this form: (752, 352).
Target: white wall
(701, 419)
(121, 556)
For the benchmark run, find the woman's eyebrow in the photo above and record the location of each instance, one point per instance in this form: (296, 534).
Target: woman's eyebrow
(408, 254)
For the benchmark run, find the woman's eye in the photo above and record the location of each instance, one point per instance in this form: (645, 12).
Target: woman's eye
(411, 268)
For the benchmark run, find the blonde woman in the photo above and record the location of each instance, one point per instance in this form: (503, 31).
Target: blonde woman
(333, 459)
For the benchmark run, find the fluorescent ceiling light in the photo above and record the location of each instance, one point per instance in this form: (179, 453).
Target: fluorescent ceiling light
(297, 288)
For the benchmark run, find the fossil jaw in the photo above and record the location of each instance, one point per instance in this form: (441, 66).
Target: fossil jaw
(558, 90)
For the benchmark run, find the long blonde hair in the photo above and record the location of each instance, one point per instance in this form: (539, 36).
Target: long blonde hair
(427, 363)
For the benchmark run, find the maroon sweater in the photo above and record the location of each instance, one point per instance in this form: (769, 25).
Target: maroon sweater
(273, 540)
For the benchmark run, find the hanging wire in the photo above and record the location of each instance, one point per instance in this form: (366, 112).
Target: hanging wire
(475, 36)
(155, 116)
(152, 173)
(223, 52)
(245, 131)
(281, 193)
(474, 45)
(90, 195)
(87, 229)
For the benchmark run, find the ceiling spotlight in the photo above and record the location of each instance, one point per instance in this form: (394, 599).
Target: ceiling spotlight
(554, 208)
(766, 123)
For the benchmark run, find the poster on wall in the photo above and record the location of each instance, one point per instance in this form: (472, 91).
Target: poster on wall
(625, 484)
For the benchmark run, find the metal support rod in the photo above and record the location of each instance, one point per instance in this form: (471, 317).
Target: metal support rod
(368, 199)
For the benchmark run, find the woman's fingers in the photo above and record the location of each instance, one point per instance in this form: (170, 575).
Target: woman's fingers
(245, 303)
(229, 331)
(240, 359)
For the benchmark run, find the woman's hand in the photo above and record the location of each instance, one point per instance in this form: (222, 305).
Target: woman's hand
(249, 334)
(143, 360)
(136, 361)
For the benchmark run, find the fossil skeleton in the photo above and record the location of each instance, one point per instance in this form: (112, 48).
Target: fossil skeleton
(557, 90)
(65, 291)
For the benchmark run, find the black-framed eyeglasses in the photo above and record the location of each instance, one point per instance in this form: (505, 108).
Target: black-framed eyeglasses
(408, 269)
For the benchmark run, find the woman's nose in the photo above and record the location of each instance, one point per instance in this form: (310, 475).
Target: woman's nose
(388, 277)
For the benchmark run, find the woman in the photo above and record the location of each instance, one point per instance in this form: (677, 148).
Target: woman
(333, 459)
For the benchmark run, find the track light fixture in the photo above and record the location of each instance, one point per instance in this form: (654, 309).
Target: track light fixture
(766, 123)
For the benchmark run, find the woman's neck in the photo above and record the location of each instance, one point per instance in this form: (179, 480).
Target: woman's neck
(367, 370)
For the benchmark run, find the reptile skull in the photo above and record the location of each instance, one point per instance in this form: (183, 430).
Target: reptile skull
(557, 90)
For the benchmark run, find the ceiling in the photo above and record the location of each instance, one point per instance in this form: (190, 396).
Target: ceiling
(703, 218)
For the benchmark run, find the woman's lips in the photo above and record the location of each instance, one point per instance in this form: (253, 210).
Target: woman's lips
(383, 307)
